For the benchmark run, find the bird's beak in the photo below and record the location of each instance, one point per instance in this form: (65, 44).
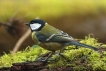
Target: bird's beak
(27, 24)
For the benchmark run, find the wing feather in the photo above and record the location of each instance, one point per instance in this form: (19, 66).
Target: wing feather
(60, 38)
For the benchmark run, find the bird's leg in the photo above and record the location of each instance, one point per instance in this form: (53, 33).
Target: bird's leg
(49, 56)
(60, 53)
(76, 47)
(44, 57)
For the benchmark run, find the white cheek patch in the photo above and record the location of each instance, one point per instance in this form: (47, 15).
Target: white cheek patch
(35, 26)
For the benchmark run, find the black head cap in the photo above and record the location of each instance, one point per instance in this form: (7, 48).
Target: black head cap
(38, 24)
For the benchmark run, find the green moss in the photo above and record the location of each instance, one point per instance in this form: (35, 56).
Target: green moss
(29, 54)
(78, 59)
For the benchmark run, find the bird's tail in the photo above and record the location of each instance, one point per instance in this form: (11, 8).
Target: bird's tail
(83, 45)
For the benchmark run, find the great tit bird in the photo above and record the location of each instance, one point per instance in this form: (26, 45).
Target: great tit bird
(51, 38)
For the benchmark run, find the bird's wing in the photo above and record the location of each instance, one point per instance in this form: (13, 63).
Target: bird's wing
(61, 37)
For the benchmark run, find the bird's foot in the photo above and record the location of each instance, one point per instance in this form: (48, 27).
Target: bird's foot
(60, 54)
(44, 57)
(41, 59)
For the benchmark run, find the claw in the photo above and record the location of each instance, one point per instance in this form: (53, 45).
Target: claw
(45, 57)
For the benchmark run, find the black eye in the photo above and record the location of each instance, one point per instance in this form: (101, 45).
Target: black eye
(31, 22)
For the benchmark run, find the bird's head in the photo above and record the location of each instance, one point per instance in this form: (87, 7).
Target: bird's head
(36, 24)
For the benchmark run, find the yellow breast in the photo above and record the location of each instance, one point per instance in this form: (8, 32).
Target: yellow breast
(34, 38)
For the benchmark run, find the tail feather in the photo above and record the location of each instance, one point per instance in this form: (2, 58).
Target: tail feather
(83, 45)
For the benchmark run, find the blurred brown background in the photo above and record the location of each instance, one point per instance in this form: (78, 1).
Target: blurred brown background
(76, 17)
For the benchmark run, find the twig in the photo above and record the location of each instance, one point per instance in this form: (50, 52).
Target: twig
(21, 40)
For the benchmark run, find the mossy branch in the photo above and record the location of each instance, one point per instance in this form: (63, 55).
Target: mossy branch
(78, 59)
